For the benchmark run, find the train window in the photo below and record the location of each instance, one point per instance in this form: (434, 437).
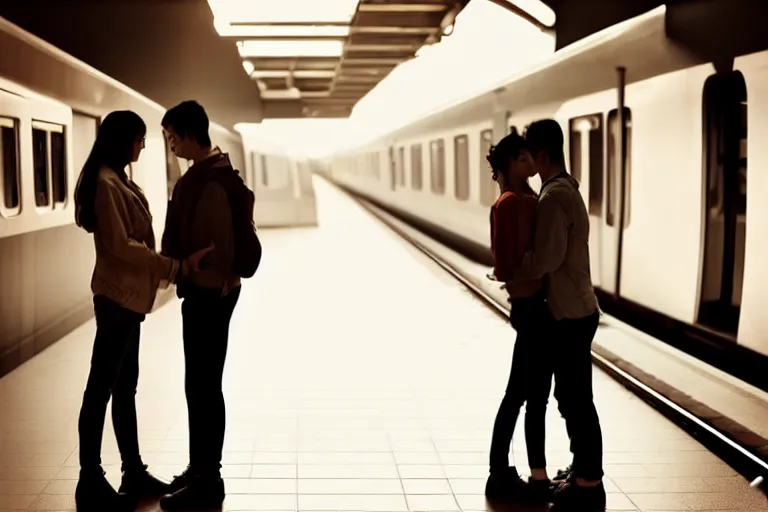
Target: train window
(264, 170)
(587, 132)
(417, 171)
(613, 167)
(461, 166)
(252, 174)
(369, 167)
(392, 168)
(575, 154)
(437, 166)
(58, 167)
(725, 109)
(172, 168)
(49, 163)
(742, 188)
(401, 166)
(9, 173)
(488, 190)
(84, 129)
(40, 164)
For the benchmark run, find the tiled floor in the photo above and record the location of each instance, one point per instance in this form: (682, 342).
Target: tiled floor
(359, 378)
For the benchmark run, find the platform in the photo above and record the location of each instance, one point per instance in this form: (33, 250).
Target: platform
(360, 377)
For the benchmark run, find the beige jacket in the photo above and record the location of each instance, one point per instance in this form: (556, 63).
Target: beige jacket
(128, 270)
(561, 250)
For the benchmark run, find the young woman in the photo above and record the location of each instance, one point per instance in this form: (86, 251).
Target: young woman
(125, 280)
(513, 218)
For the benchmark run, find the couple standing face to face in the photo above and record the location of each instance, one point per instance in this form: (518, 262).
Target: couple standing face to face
(518, 158)
(514, 162)
(180, 146)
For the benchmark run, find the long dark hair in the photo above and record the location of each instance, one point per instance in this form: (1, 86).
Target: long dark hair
(113, 148)
(507, 149)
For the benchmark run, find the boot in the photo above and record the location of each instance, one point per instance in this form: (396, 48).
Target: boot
(141, 484)
(200, 493)
(95, 494)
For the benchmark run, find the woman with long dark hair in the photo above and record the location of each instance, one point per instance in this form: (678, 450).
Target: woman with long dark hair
(125, 280)
(513, 219)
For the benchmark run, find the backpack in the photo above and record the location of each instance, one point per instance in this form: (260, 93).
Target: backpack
(241, 201)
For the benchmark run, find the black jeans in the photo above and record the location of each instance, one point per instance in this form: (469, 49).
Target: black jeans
(206, 315)
(530, 381)
(573, 391)
(114, 372)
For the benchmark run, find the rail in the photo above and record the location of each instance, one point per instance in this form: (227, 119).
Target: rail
(736, 456)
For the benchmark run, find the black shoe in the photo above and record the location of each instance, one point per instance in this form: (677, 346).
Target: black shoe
(505, 485)
(199, 494)
(563, 474)
(95, 494)
(539, 491)
(180, 481)
(570, 497)
(141, 484)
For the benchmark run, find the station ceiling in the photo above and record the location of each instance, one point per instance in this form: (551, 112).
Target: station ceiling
(246, 60)
(319, 60)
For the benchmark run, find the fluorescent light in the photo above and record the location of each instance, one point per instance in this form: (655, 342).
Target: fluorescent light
(280, 73)
(284, 11)
(301, 48)
(281, 94)
(227, 30)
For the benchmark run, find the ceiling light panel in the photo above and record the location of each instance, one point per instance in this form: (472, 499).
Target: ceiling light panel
(266, 31)
(301, 48)
(284, 11)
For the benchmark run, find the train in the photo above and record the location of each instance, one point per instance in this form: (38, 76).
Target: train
(659, 139)
(51, 105)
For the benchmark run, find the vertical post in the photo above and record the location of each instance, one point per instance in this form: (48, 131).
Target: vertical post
(622, 166)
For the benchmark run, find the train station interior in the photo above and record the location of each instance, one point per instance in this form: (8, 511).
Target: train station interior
(369, 352)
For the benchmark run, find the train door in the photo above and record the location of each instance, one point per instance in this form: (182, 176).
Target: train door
(611, 228)
(586, 150)
(392, 169)
(725, 168)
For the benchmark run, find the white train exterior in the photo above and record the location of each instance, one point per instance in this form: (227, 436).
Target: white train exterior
(50, 107)
(688, 252)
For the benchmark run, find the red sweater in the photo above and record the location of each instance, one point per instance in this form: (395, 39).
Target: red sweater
(513, 219)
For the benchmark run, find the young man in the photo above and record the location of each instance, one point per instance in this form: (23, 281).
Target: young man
(561, 254)
(199, 215)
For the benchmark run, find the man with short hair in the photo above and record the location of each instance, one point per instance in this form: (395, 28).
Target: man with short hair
(199, 215)
(561, 255)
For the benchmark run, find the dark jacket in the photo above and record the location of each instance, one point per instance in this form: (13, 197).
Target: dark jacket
(198, 215)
